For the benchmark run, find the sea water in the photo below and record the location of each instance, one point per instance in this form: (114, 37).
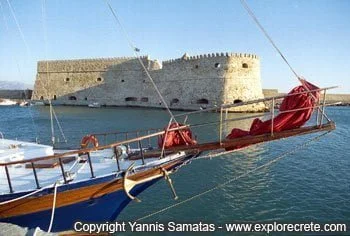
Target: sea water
(310, 185)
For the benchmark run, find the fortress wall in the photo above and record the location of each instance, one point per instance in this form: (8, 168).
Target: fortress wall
(189, 83)
(15, 94)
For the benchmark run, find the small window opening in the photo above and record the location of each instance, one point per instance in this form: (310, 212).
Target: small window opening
(245, 65)
(130, 99)
(54, 97)
(144, 99)
(85, 98)
(237, 101)
(174, 101)
(67, 79)
(123, 81)
(72, 98)
(99, 79)
(217, 65)
(196, 66)
(41, 98)
(202, 101)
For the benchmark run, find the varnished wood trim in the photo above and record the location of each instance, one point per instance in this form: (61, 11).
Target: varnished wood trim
(69, 197)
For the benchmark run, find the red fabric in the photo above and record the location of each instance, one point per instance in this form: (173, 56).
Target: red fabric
(284, 121)
(176, 137)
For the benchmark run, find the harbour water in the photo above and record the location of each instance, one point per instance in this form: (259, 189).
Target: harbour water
(311, 185)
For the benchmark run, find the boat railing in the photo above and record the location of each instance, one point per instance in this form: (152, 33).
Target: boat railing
(139, 137)
(81, 152)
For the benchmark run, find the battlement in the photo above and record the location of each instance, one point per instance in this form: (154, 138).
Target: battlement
(186, 57)
(101, 59)
(189, 82)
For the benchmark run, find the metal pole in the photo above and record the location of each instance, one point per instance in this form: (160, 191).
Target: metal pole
(221, 125)
(149, 139)
(8, 179)
(35, 176)
(90, 164)
(318, 113)
(62, 169)
(116, 157)
(272, 114)
(323, 106)
(141, 152)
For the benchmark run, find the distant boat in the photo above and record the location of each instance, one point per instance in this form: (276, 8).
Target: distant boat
(7, 102)
(94, 105)
(25, 104)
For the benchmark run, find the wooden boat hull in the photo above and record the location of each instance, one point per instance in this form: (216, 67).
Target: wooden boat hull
(96, 200)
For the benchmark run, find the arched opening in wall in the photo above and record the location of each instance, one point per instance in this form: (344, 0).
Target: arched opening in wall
(196, 66)
(123, 81)
(217, 65)
(237, 101)
(245, 65)
(54, 97)
(144, 99)
(85, 98)
(67, 79)
(174, 101)
(41, 98)
(99, 79)
(130, 99)
(73, 98)
(202, 101)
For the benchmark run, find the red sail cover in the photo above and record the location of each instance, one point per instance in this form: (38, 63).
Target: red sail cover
(284, 121)
(176, 137)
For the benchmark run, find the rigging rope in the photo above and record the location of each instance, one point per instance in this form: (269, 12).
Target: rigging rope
(236, 178)
(135, 51)
(19, 27)
(251, 13)
(18, 68)
(53, 208)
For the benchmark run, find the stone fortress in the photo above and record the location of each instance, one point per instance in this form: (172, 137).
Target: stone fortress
(187, 83)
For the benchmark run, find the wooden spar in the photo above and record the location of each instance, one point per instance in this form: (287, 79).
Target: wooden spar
(229, 105)
(247, 140)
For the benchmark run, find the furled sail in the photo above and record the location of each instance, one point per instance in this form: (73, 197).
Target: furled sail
(301, 106)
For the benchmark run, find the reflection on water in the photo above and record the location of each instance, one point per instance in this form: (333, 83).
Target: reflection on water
(310, 185)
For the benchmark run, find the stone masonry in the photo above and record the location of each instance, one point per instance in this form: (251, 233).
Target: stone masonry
(187, 83)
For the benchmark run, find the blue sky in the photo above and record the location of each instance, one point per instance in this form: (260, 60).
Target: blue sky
(313, 34)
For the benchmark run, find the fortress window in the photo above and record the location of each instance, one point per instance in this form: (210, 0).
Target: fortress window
(237, 101)
(99, 79)
(85, 98)
(72, 98)
(130, 99)
(144, 99)
(217, 65)
(196, 66)
(174, 101)
(245, 65)
(123, 81)
(202, 101)
(41, 98)
(54, 97)
(67, 79)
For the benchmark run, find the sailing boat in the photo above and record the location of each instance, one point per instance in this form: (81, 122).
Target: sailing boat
(96, 182)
